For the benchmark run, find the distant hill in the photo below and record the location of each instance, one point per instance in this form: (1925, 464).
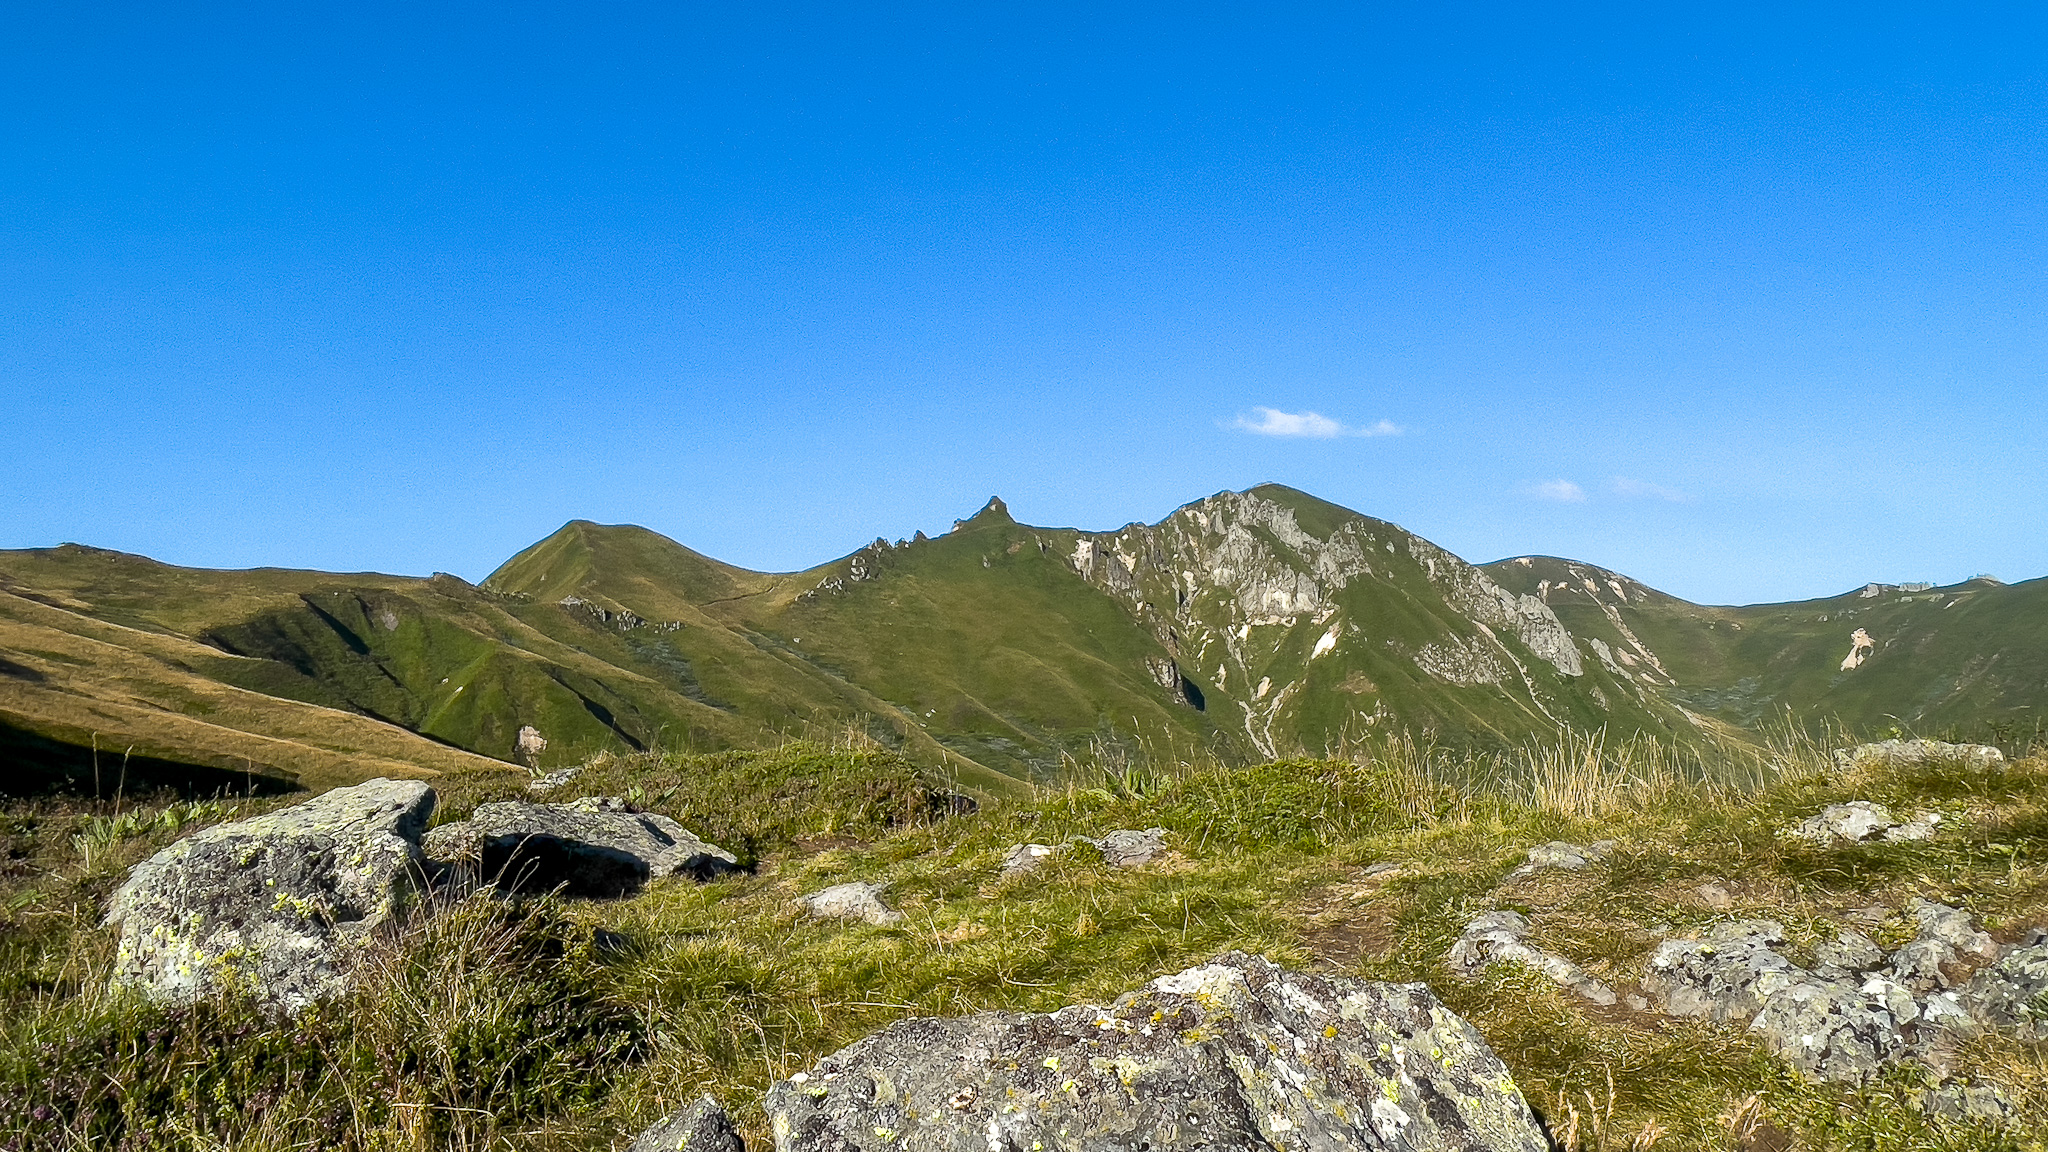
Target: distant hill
(1249, 624)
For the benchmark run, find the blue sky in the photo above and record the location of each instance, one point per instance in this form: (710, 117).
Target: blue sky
(1746, 303)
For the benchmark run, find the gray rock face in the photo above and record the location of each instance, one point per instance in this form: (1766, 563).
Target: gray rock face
(1233, 1055)
(1496, 938)
(1128, 848)
(1908, 753)
(859, 900)
(2012, 993)
(1723, 974)
(702, 1127)
(595, 847)
(1861, 820)
(274, 905)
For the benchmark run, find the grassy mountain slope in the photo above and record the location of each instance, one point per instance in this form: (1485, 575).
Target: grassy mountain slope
(1971, 658)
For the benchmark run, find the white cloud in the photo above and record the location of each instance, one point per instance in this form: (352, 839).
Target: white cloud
(1623, 486)
(1308, 425)
(1562, 491)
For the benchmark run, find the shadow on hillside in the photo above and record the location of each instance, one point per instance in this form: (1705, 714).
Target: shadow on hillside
(36, 765)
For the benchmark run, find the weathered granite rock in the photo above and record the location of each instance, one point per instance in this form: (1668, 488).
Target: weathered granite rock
(2012, 993)
(275, 905)
(1128, 848)
(596, 847)
(1236, 1054)
(1849, 953)
(1861, 820)
(702, 1127)
(1496, 938)
(1021, 858)
(1907, 753)
(1946, 936)
(858, 900)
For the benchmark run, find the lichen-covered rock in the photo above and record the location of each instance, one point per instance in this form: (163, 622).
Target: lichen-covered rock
(1910, 753)
(1128, 847)
(596, 847)
(702, 1127)
(1849, 953)
(1723, 974)
(1860, 820)
(1836, 1030)
(1945, 938)
(1563, 855)
(1237, 1054)
(2012, 993)
(859, 900)
(275, 905)
(1496, 938)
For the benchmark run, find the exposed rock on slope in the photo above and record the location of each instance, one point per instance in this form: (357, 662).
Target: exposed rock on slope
(597, 846)
(1236, 1054)
(275, 904)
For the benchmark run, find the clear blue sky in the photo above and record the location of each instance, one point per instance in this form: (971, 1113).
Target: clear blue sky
(1747, 303)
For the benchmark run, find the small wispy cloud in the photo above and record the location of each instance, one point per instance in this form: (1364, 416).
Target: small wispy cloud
(1562, 491)
(1624, 486)
(1308, 425)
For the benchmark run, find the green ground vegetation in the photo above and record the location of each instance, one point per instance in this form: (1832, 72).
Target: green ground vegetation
(550, 1024)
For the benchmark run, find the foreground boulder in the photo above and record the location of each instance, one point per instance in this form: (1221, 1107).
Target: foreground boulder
(274, 905)
(597, 847)
(1237, 1054)
(702, 1127)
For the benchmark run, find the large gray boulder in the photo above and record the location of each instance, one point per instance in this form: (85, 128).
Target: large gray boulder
(275, 905)
(1237, 1054)
(598, 847)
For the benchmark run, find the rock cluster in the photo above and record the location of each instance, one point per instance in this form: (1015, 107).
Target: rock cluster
(1860, 820)
(1122, 848)
(280, 905)
(1854, 1011)
(1235, 1054)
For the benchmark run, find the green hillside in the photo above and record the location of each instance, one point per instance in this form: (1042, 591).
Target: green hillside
(1246, 625)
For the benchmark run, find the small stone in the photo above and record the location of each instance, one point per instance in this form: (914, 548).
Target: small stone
(1021, 858)
(1127, 848)
(859, 900)
(553, 780)
(1854, 822)
(1496, 938)
(1715, 895)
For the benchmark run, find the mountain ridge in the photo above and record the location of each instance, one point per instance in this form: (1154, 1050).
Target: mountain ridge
(1246, 624)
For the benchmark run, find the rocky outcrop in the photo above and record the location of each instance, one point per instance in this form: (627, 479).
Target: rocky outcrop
(1910, 753)
(276, 905)
(1235, 1054)
(1497, 938)
(1859, 821)
(2012, 994)
(859, 901)
(598, 847)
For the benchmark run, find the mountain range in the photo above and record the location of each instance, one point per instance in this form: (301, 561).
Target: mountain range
(1248, 625)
